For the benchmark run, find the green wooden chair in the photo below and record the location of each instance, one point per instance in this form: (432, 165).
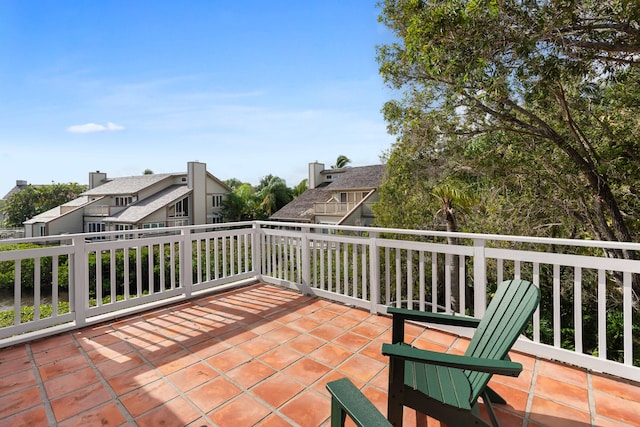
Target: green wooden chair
(346, 399)
(447, 386)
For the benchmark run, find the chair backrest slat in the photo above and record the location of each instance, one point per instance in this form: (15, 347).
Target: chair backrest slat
(505, 319)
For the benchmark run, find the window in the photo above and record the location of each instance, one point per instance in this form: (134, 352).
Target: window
(123, 201)
(217, 200)
(180, 209)
(95, 227)
(216, 219)
(43, 230)
(120, 227)
(343, 197)
(153, 225)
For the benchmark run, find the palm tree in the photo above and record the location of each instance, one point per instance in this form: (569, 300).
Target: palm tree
(341, 162)
(454, 196)
(273, 194)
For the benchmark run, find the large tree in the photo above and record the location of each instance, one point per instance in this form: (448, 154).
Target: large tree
(35, 199)
(547, 90)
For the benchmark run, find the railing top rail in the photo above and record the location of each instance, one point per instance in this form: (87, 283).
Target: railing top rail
(472, 236)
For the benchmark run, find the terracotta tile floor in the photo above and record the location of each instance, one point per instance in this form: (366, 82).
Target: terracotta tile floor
(260, 356)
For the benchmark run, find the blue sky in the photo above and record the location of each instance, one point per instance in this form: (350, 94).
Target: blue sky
(250, 88)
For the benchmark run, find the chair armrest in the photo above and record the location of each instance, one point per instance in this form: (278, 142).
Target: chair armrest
(347, 399)
(429, 317)
(493, 366)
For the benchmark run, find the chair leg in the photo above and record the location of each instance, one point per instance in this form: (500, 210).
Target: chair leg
(494, 396)
(421, 419)
(395, 391)
(487, 403)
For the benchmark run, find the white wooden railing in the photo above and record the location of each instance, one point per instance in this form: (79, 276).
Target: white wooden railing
(588, 314)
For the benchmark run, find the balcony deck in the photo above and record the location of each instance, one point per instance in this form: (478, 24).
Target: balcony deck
(261, 355)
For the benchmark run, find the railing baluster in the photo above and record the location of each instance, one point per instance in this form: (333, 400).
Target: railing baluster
(536, 314)
(125, 268)
(577, 308)
(434, 282)
(54, 286)
(387, 274)
(398, 278)
(421, 281)
(409, 279)
(602, 314)
(36, 288)
(112, 275)
(98, 278)
(557, 327)
(627, 315)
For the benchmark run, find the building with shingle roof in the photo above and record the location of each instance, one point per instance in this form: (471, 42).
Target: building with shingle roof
(135, 202)
(335, 196)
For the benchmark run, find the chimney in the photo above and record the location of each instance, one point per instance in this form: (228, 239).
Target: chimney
(96, 178)
(314, 174)
(197, 182)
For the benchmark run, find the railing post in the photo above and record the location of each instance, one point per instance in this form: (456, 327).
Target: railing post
(186, 263)
(374, 271)
(80, 284)
(479, 278)
(306, 262)
(256, 250)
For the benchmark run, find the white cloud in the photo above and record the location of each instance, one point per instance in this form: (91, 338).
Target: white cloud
(93, 127)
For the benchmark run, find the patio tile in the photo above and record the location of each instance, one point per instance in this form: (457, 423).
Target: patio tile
(305, 344)
(351, 341)
(549, 412)
(175, 412)
(616, 386)
(54, 354)
(362, 367)
(617, 408)
(16, 364)
(61, 367)
(106, 415)
(43, 345)
(281, 357)
(62, 385)
(258, 345)
(213, 393)
(132, 379)
(250, 373)
(229, 359)
(281, 334)
(79, 401)
(176, 361)
(306, 371)
(14, 403)
(331, 354)
(243, 411)
(192, 376)
(36, 416)
(277, 389)
(568, 374)
(14, 382)
(326, 332)
(562, 392)
(516, 399)
(148, 397)
(119, 364)
(240, 356)
(298, 408)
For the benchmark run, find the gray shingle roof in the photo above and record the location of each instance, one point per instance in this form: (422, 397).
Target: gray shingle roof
(140, 210)
(358, 177)
(353, 178)
(128, 185)
(301, 208)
